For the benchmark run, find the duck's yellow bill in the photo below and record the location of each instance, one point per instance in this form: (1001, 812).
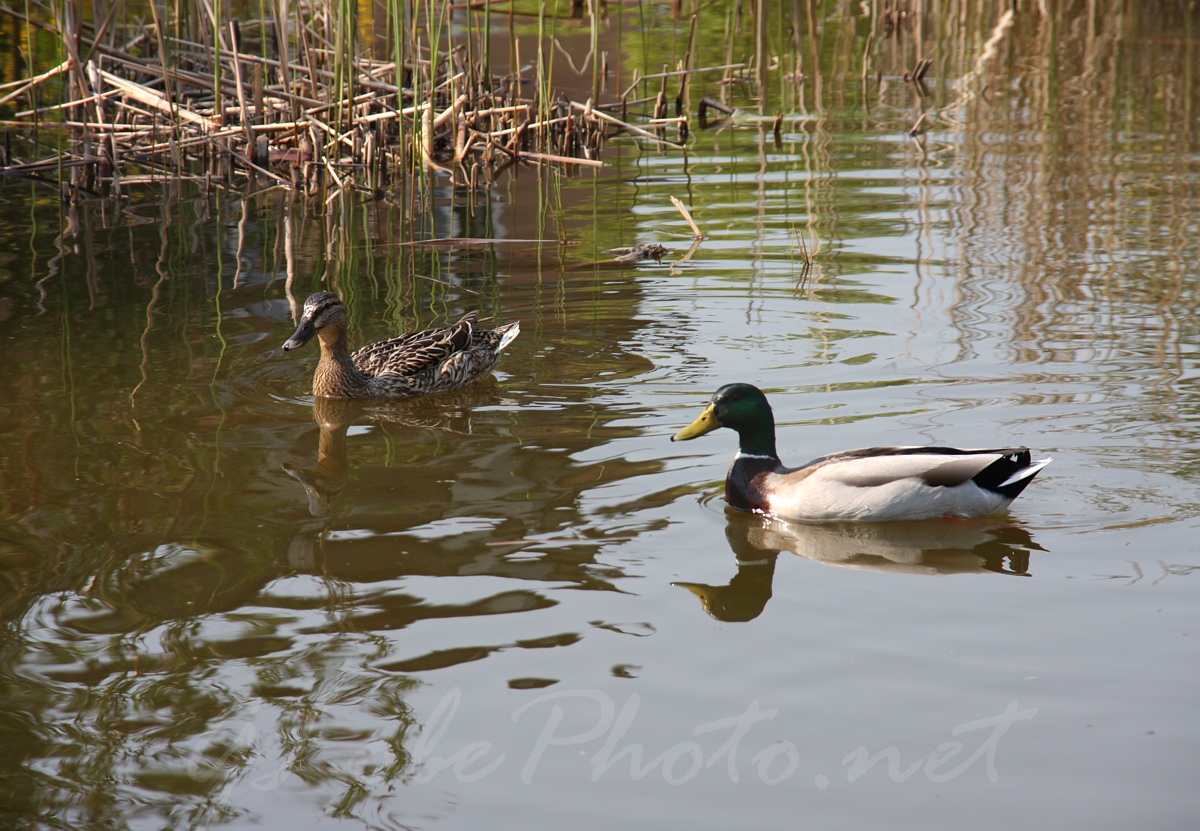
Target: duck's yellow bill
(705, 593)
(706, 423)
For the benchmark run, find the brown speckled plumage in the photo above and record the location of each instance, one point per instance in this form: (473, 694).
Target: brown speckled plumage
(419, 363)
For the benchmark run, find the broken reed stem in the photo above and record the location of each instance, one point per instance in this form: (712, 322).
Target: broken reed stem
(688, 217)
(637, 131)
(26, 86)
(687, 255)
(680, 72)
(805, 254)
(241, 87)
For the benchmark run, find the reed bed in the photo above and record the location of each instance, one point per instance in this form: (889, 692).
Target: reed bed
(321, 95)
(340, 95)
(295, 96)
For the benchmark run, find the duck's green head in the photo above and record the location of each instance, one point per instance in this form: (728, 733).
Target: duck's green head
(740, 407)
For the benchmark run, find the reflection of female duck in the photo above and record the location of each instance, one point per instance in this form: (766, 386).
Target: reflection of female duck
(936, 547)
(324, 483)
(876, 483)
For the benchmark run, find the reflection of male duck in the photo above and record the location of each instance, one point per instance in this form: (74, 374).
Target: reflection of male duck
(934, 547)
(747, 593)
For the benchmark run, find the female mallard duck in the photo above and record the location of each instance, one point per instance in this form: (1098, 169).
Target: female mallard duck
(419, 363)
(875, 483)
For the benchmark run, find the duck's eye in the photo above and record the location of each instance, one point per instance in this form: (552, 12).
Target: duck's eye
(318, 314)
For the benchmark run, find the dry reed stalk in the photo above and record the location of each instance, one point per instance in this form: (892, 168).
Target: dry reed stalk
(680, 72)
(443, 117)
(687, 217)
(305, 104)
(225, 148)
(525, 126)
(551, 157)
(150, 98)
(43, 111)
(687, 255)
(26, 86)
(806, 255)
(807, 259)
(627, 127)
(240, 84)
(918, 71)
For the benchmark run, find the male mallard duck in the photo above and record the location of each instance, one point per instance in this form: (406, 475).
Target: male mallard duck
(419, 363)
(874, 483)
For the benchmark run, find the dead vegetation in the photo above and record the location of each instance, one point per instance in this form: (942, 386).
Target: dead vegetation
(294, 99)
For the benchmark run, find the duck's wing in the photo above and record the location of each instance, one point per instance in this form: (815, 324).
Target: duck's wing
(495, 340)
(417, 352)
(464, 367)
(881, 483)
(997, 469)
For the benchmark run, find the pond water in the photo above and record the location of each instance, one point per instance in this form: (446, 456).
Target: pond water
(520, 605)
